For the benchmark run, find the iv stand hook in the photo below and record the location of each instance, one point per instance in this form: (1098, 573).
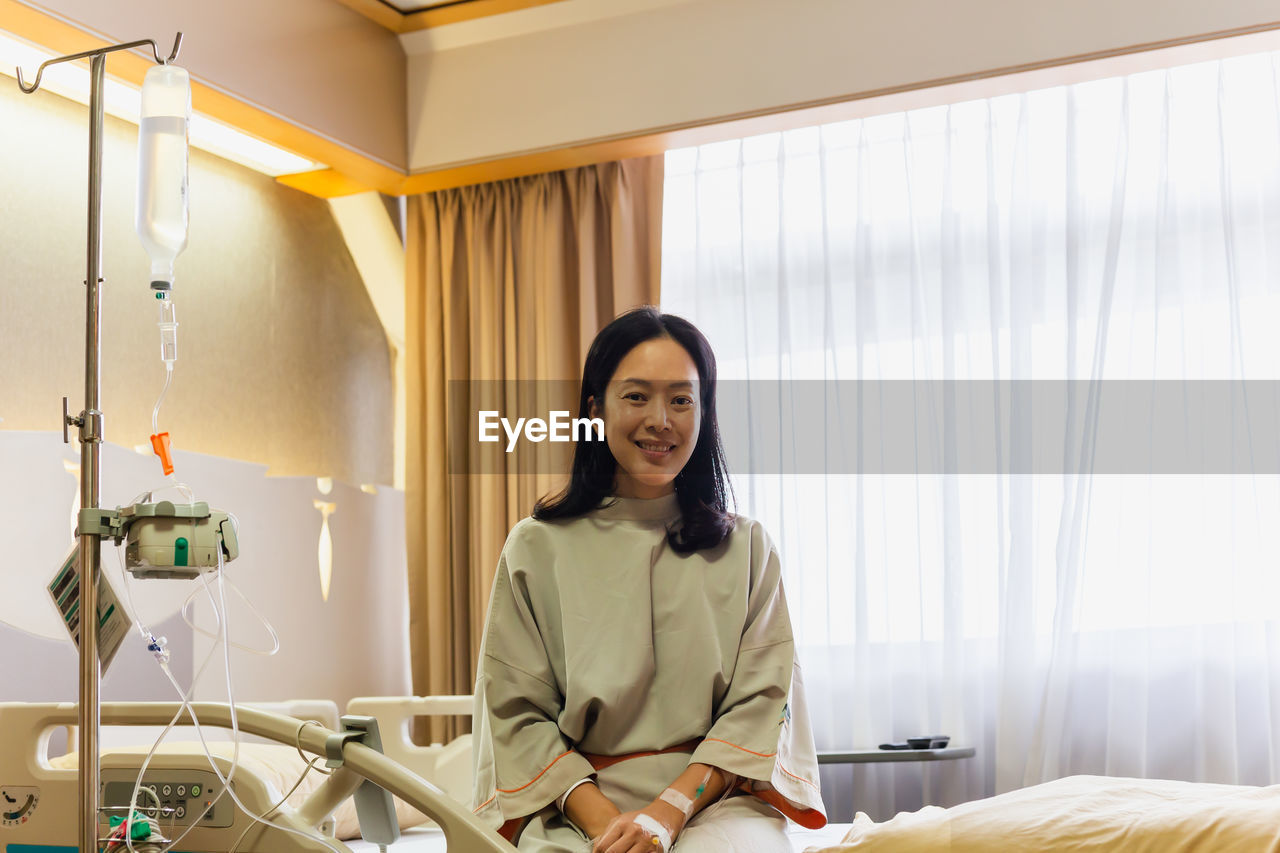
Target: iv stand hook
(155, 52)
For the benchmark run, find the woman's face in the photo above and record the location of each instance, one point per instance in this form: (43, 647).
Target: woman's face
(652, 417)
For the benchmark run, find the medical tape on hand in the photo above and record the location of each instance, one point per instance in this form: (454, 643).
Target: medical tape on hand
(679, 800)
(660, 834)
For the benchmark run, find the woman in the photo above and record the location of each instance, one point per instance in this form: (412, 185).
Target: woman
(637, 686)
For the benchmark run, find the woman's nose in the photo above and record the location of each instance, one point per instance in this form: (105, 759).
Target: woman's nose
(657, 416)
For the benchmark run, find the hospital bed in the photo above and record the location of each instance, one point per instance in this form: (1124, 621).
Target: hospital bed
(38, 811)
(39, 808)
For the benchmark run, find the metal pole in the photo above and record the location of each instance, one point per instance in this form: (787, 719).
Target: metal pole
(90, 445)
(90, 424)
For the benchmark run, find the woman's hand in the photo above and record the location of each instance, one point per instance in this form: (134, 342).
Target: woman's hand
(624, 835)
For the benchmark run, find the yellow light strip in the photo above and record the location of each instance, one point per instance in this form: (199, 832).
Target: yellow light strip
(71, 80)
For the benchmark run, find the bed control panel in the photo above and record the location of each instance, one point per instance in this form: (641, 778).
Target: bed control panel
(18, 804)
(184, 796)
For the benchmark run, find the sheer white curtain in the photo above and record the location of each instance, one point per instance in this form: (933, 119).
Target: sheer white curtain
(1024, 565)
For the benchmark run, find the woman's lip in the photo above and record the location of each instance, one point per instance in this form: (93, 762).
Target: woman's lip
(655, 454)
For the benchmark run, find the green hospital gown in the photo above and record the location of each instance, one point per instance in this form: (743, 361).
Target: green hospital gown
(602, 639)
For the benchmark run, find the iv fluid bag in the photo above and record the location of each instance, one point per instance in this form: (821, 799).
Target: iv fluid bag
(161, 217)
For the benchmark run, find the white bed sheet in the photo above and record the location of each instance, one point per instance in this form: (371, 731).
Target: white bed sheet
(419, 839)
(431, 840)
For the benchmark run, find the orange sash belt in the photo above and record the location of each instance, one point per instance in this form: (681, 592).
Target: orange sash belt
(600, 762)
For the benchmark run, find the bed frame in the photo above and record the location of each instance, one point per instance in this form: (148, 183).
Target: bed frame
(45, 797)
(402, 768)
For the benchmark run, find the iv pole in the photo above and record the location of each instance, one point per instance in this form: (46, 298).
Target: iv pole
(89, 423)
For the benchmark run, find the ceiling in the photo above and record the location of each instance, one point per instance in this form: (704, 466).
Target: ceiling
(408, 6)
(468, 91)
(404, 16)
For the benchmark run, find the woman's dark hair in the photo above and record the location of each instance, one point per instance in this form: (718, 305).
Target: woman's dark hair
(702, 486)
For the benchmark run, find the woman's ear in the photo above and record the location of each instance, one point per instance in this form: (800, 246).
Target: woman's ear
(593, 410)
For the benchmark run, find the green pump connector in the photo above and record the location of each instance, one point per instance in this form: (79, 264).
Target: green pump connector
(140, 831)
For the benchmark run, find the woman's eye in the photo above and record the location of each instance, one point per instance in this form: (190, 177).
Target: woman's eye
(634, 396)
(683, 401)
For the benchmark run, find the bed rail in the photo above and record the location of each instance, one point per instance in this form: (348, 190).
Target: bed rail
(29, 725)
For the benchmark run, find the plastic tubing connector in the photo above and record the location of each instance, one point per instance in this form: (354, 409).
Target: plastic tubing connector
(168, 330)
(160, 444)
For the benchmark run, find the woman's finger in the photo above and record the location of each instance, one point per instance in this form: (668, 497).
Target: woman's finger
(613, 839)
(642, 841)
(624, 844)
(616, 840)
(645, 844)
(606, 839)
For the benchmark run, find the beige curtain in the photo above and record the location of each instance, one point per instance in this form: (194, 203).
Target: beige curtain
(507, 284)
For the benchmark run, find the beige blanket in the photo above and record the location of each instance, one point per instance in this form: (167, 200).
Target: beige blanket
(1086, 813)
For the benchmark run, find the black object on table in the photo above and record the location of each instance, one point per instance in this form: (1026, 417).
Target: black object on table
(876, 756)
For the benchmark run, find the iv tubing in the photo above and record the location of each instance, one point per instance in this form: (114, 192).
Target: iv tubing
(223, 639)
(155, 413)
(184, 697)
(275, 638)
(235, 733)
(168, 325)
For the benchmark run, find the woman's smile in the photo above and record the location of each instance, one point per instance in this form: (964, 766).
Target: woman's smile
(655, 450)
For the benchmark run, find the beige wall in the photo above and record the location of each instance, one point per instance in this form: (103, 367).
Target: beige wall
(484, 90)
(355, 643)
(282, 359)
(315, 62)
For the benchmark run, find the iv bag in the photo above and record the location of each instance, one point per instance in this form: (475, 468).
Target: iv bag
(161, 217)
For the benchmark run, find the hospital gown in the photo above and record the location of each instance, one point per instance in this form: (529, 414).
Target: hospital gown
(603, 640)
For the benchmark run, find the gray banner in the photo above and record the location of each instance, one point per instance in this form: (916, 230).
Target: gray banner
(915, 428)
